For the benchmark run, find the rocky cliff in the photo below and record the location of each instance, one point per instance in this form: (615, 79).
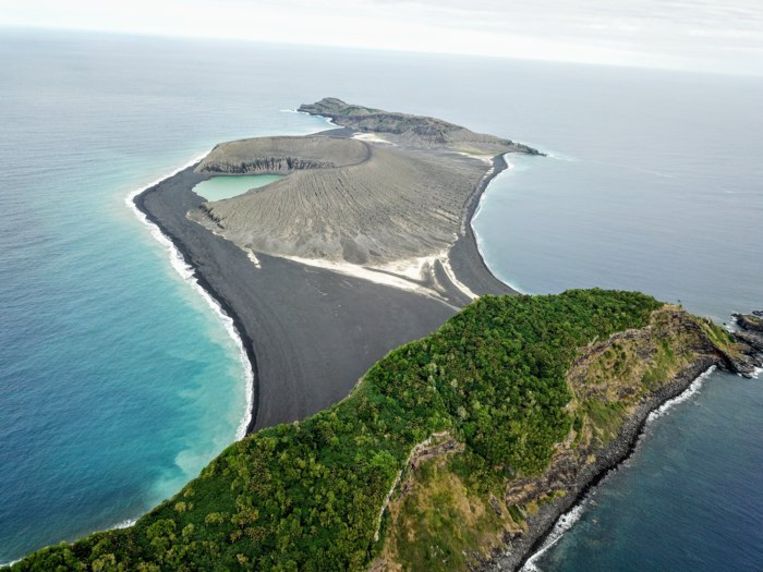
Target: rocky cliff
(442, 519)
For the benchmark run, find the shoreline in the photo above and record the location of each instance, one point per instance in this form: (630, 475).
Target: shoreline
(519, 556)
(189, 273)
(568, 519)
(463, 269)
(475, 213)
(466, 259)
(232, 279)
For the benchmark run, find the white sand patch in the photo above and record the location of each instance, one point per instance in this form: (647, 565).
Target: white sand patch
(405, 274)
(419, 269)
(253, 257)
(488, 159)
(456, 282)
(413, 268)
(371, 138)
(363, 272)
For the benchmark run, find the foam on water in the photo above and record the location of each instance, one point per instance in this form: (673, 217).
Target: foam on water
(566, 521)
(477, 237)
(690, 392)
(563, 524)
(188, 274)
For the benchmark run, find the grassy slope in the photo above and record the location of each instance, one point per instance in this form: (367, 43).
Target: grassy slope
(308, 495)
(447, 514)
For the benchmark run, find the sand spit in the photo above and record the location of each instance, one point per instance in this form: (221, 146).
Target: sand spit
(309, 333)
(364, 245)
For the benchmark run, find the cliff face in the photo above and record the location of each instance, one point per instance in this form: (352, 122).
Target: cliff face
(442, 519)
(282, 155)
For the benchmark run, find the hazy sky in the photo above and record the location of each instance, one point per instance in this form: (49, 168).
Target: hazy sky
(722, 35)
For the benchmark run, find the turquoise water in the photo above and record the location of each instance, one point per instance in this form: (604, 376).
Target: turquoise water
(225, 187)
(118, 381)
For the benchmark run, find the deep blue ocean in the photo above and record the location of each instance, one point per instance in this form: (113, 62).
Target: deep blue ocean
(118, 381)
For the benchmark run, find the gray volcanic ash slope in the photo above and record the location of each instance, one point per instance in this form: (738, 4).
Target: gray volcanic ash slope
(364, 202)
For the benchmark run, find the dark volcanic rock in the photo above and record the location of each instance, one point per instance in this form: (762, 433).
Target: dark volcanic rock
(750, 322)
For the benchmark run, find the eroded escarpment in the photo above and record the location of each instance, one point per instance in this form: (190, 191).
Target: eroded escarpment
(281, 155)
(441, 518)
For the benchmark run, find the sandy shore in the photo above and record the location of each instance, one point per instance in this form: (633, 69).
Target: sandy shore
(308, 332)
(465, 257)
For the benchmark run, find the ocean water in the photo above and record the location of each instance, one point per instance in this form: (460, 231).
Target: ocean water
(225, 187)
(118, 381)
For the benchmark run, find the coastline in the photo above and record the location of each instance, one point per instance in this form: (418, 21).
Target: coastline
(290, 316)
(477, 209)
(179, 261)
(567, 520)
(466, 258)
(519, 553)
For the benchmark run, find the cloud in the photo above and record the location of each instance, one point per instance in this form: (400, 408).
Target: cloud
(696, 34)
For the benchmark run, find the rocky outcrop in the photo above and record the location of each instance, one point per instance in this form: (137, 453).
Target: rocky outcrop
(270, 165)
(283, 155)
(406, 127)
(750, 322)
(586, 457)
(615, 384)
(750, 336)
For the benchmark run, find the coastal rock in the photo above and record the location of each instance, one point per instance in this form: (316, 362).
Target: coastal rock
(750, 339)
(413, 129)
(751, 322)
(616, 383)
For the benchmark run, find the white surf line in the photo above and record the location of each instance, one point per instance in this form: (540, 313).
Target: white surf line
(566, 521)
(188, 274)
(488, 174)
(688, 393)
(327, 119)
(478, 238)
(251, 255)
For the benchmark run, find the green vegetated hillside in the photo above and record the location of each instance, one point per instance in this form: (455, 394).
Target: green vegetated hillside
(449, 421)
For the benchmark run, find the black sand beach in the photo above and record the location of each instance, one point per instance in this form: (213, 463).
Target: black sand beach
(309, 333)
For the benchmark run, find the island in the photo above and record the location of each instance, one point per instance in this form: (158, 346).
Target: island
(411, 412)
(364, 244)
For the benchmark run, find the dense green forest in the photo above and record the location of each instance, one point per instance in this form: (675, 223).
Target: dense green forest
(308, 495)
